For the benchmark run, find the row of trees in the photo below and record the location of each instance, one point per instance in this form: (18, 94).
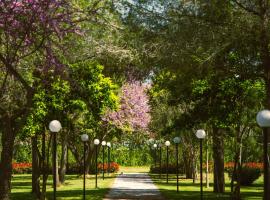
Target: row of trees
(209, 62)
(50, 55)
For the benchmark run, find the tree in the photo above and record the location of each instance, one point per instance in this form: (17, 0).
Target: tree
(26, 28)
(133, 114)
(79, 99)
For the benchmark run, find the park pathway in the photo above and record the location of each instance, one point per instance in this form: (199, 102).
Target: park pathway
(134, 186)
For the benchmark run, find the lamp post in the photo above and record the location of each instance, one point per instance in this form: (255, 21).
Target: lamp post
(109, 156)
(201, 135)
(155, 155)
(84, 139)
(103, 143)
(96, 143)
(176, 140)
(160, 159)
(55, 127)
(263, 119)
(167, 143)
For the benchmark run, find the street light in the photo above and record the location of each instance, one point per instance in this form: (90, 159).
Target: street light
(201, 135)
(176, 140)
(55, 127)
(263, 120)
(167, 143)
(160, 159)
(155, 156)
(103, 143)
(84, 138)
(109, 156)
(96, 143)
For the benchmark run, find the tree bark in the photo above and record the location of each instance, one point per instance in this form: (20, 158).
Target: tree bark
(35, 169)
(218, 156)
(45, 166)
(207, 163)
(63, 162)
(188, 164)
(265, 57)
(8, 137)
(57, 170)
(90, 159)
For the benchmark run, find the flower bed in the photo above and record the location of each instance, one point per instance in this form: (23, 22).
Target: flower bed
(114, 167)
(21, 168)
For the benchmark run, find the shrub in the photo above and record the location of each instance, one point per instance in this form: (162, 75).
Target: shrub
(21, 168)
(74, 168)
(171, 169)
(114, 167)
(249, 172)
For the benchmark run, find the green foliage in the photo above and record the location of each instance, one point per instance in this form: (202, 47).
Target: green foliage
(92, 86)
(131, 155)
(88, 94)
(48, 100)
(22, 153)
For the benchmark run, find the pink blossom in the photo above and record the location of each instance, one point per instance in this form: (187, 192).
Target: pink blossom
(134, 110)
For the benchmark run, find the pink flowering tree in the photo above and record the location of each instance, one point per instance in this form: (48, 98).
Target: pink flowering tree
(30, 30)
(133, 114)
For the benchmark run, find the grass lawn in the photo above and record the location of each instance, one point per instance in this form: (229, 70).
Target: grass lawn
(190, 191)
(72, 189)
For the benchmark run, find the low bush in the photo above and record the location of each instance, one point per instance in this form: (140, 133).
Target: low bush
(250, 172)
(171, 169)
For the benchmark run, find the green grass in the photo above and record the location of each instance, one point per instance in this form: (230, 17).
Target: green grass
(190, 191)
(21, 187)
(72, 189)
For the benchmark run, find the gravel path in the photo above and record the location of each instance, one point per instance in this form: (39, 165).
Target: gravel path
(134, 186)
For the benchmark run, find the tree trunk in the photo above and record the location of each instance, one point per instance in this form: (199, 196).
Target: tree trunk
(236, 195)
(57, 166)
(194, 168)
(8, 137)
(188, 164)
(45, 166)
(207, 163)
(90, 159)
(35, 169)
(265, 58)
(218, 156)
(63, 163)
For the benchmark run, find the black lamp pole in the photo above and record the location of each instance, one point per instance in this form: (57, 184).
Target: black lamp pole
(155, 157)
(201, 175)
(177, 168)
(109, 158)
(96, 163)
(54, 166)
(266, 165)
(160, 157)
(167, 164)
(84, 149)
(103, 167)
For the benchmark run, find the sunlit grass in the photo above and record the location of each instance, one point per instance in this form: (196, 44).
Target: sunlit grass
(72, 189)
(190, 191)
(135, 169)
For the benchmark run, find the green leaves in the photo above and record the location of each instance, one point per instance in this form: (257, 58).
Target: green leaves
(81, 100)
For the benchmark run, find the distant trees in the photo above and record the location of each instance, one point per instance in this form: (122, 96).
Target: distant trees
(209, 63)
